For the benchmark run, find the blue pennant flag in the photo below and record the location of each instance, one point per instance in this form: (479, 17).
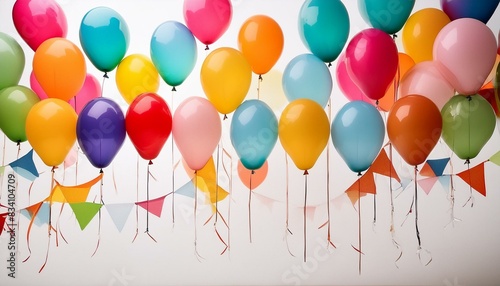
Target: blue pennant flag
(25, 166)
(438, 165)
(186, 190)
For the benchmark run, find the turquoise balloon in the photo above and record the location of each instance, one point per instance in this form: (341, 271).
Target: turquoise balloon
(358, 134)
(324, 27)
(11, 61)
(254, 132)
(173, 51)
(388, 16)
(104, 36)
(306, 76)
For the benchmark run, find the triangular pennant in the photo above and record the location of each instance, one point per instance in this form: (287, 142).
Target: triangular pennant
(427, 171)
(267, 202)
(79, 193)
(365, 184)
(495, 159)
(41, 212)
(154, 206)
(119, 213)
(56, 195)
(382, 165)
(85, 212)
(310, 212)
(475, 178)
(186, 190)
(445, 182)
(3, 217)
(438, 165)
(25, 166)
(207, 181)
(427, 184)
(354, 196)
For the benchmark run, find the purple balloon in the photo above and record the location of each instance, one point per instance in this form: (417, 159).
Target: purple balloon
(479, 10)
(100, 130)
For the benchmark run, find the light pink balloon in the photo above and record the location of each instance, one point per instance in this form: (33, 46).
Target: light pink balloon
(465, 50)
(196, 131)
(425, 79)
(91, 89)
(36, 87)
(350, 90)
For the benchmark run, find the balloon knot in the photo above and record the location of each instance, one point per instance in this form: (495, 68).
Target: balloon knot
(150, 162)
(173, 89)
(101, 171)
(329, 64)
(253, 172)
(416, 168)
(53, 169)
(260, 77)
(469, 97)
(306, 172)
(105, 75)
(394, 36)
(467, 162)
(18, 143)
(207, 48)
(376, 102)
(225, 117)
(359, 174)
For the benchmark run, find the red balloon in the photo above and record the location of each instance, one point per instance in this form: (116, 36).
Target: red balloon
(148, 123)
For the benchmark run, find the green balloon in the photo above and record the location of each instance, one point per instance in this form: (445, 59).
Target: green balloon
(468, 123)
(15, 103)
(11, 61)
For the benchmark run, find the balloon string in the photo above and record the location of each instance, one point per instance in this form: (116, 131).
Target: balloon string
(230, 176)
(416, 208)
(287, 229)
(173, 173)
(50, 220)
(137, 199)
(147, 197)
(99, 226)
(328, 183)
(359, 224)
(392, 229)
(217, 187)
(104, 77)
(198, 256)
(259, 81)
(305, 216)
(250, 208)
(471, 197)
(3, 152)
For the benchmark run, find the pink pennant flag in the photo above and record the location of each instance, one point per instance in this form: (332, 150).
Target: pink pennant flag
(267, 202)
(427, 184)
(154, 206)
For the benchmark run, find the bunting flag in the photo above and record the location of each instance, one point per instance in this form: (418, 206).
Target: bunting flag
(383, 166)
(474, 177)
(186, 190)
(434, 167)
(427, 184)
(495, 159)
(40, 211)
(266, 201)
(207, 181)
(73, 194)
(85, 212)
(154, 206)
(119, 213)
(445, 182)
(25, 166)
(365, 184)
(3, 217)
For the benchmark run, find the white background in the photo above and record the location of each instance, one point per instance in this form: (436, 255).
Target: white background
(464, 254)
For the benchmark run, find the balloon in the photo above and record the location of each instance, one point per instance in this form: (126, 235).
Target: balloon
(148, 123)
(173, 51)
(306, 76)
(225, 77)
(358, 133)
(136, 74)
(59, 66)
(260, 39)
(39, 20)
(104, 36)
(35, 86)
(208, 19)
(91, 89)
(350, 90)
(258, 176)
(51, 130)
(303, 130)
(254, 132)
(465, 50)
(388, 16)
(100, 130)
(372, 61)
(405, 63)
(196, 131)
(15, 103)
(414, 126)
(324, 27)
(481, 11)
(11, 61)
(421, 30)
(425, 79)
(468, 123)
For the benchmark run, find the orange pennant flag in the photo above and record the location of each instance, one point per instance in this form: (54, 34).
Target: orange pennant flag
(475, 178)
(365, 184)
(79, 193)
(427, 171)
(383, 166)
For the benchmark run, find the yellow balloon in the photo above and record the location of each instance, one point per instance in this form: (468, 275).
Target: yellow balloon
(136, 74)
(225, 77)
(304, 131)
(421, 30)
(51, 130)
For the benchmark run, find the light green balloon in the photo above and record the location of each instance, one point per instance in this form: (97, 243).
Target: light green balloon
(11, 61)
(468, 123)
(15, 103)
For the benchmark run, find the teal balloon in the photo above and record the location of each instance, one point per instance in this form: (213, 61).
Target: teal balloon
(173, 52)
(12, 61)
(307, 76)
(358, 134)
(254, 132)
(324, 27)
(104, 36)
(388, 16)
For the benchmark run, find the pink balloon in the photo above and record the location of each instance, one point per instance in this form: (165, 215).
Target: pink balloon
(372, 61)
(465, 50)
(39, 20)
(425, 79)
(36, 87)
(91, 89)
(350, 90)
(207, 19)
(196, 131)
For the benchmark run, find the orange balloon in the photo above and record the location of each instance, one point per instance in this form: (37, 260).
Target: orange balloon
(261, 41)
(59, 67)
(414, 126)
(257, 177)
(405, 64)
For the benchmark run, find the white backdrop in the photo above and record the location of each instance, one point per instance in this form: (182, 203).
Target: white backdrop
(464, 254)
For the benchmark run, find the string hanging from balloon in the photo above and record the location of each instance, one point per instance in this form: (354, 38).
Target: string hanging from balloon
(358, 249)
(173, 170)
(250, 206)
(99, 212)
(392, 229)
(197, 254)
(50, 220)
(305, 215)
(147, 201)
(417, 231)
(230, 176)
(287, 208)
(137, 199)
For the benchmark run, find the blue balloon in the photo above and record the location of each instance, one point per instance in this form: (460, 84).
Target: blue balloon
(324, 27)
(254, 132)
(358, 134)
(388, 16)
(306, 76)
(104, 36)
(479, 10)
(173, 51)
(100, 131)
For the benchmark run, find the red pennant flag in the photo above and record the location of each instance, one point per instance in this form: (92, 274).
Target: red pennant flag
(475, 178)
(383, 166)
(427, 171)
(2, 222)
(154, 206)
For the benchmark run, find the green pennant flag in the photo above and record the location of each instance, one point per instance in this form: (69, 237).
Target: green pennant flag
(85, 212)
(495, 159)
